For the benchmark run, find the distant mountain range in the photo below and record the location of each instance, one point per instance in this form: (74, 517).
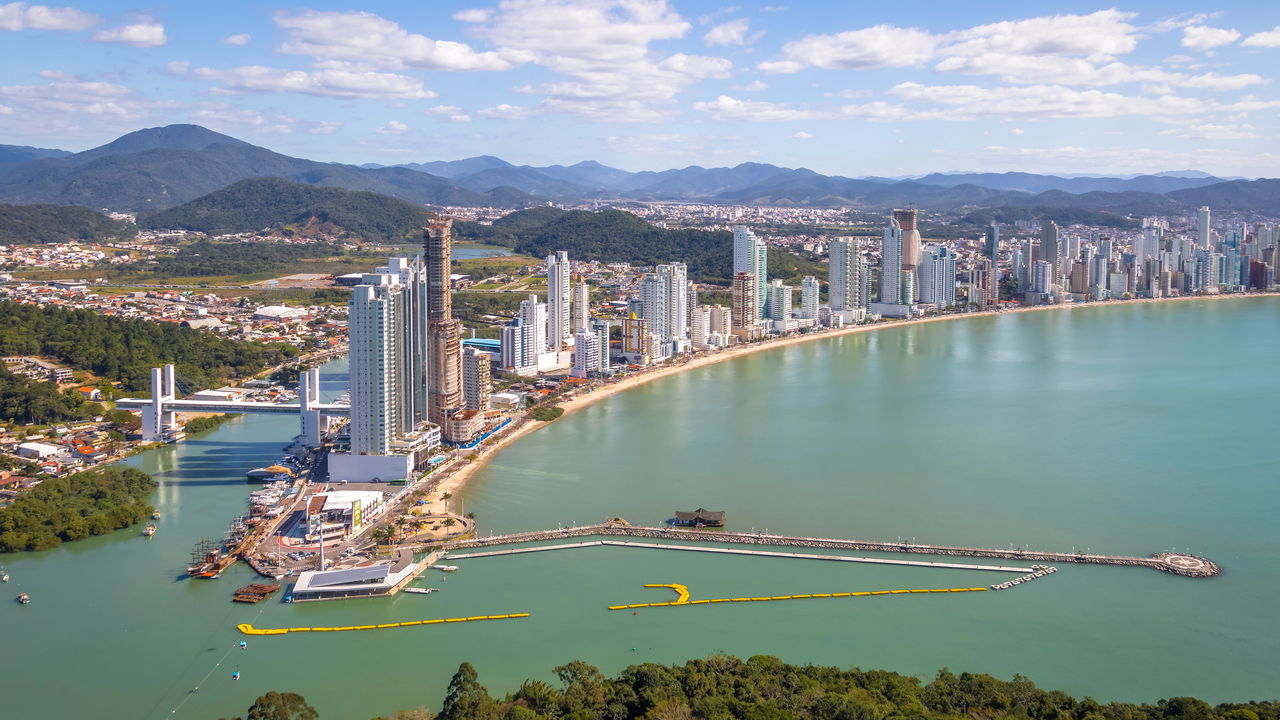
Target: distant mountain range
(159, 168)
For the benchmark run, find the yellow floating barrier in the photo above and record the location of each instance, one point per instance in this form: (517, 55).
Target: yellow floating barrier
(683, 599)
(247, 629)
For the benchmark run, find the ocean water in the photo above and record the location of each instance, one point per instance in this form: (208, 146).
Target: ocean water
(1126, 430)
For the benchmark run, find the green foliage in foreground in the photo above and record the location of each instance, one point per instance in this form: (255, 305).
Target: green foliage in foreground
(546, 413)
(126, 350)
(30, 224)
(722, 687)
(74, 507)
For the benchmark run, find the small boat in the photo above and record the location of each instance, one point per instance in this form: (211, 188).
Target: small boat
(4, 576)
(155, 515)
(421, 591)
(446, 568)
(149, 530)
(23, 598)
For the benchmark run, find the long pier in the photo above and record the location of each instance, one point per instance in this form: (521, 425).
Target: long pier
(1177, 564)
(741, 551)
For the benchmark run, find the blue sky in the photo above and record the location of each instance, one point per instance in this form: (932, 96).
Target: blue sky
(850, 88)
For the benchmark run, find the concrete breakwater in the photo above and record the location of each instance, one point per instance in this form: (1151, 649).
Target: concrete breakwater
(1177, 564)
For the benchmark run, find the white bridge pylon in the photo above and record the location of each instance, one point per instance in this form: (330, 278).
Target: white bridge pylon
(158, 412)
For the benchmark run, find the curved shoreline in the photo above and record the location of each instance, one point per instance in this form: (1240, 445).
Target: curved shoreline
(458, 479)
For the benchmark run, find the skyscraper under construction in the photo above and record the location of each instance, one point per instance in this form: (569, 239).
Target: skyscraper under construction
(444, 333)
(910, 237)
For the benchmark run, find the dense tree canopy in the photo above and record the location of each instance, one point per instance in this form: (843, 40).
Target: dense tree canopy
(29, 224)
(273, 203)
(126, 350)
(721, 687)
(74, 507)
(31, 401)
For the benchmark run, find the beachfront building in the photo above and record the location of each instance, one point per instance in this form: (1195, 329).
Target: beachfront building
(809, 293)
(746, 310)
(665, 296)
(751, 255)
(477, 381)
(586, 354)
(580, 307)
(937, 276)
(897, 282)
(848, 279)
(387, 327)
(559, 332)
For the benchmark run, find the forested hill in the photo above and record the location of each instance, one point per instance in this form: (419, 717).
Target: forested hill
(305, 210)
(126, 350)
(29, 224)
(619, 236)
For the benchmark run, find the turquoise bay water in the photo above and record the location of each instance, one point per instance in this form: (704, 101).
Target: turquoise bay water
(1124, 430)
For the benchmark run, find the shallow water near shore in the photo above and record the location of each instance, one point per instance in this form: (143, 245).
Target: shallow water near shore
(1124, 430)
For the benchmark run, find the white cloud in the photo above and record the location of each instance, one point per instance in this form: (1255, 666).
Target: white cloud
(1049, 69)
(1176, 22)
(333, 82)
(728, 108)
(1201, 37)
(733, 32)
(393, 127)
(144, 34)
(1213, 131)
(325, 127)
(1269, 39)
(21, 16)
(1124, 159)
(1099, 35)
(879, 46)
(452, 112)
(474, 15)
(602, 49)
(241, 40)
(754, 86)
(6, 110)
(177, 67)
(802, 135)
(365, 38)
(966, 102)
(509, 112)
(69, 105)
(1016, 131)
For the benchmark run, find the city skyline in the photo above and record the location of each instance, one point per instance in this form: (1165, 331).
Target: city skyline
(654, 84)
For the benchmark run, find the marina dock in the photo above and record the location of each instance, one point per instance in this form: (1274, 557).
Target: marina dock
(1174, 563)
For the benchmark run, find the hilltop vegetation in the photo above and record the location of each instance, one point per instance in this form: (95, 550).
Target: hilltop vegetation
(303, 210)
(1062, 216)
(30, 224)
(619, 236)
(75, 507)
(127, 349)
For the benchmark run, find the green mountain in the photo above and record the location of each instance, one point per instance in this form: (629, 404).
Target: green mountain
(308, 210)
(22, 153)
(28, 224)
(1060, 215)
(159, 168)
(1237, 195)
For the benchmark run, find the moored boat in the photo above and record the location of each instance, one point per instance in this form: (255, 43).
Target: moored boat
(149, 530)
(23, 598)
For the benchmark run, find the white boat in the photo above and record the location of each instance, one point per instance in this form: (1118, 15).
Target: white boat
(421, 591)
(446, 568)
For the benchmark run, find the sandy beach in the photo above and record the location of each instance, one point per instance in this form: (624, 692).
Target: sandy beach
(459, 477)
